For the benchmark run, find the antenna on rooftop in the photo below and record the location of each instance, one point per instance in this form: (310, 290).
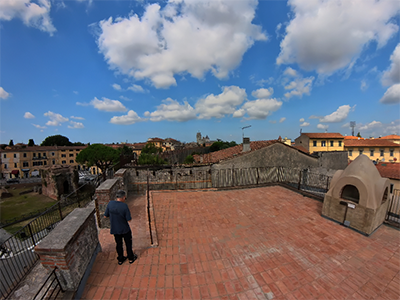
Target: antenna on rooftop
(352, 125)
(243, 130)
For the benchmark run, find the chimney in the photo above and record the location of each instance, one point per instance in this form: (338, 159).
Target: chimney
(246, 145)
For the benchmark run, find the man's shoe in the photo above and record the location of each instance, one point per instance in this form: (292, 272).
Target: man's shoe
(122, 261)
(135, 257)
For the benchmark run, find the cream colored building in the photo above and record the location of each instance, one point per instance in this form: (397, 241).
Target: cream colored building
(379, 150)
(316, 142)
(25, 162)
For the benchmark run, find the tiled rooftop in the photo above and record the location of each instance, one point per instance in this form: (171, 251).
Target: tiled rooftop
(262, 243)
(389, 170)
(323, 135)
(370, 143)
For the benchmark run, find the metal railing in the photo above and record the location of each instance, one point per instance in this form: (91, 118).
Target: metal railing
(393, 213)
(51, 288)
(17, 256)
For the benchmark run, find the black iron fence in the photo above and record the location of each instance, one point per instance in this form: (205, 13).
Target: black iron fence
(393, 215)
(51, 287)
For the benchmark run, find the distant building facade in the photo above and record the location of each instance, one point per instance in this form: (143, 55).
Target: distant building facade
(201, 139)
(25, 162)
(319, 142)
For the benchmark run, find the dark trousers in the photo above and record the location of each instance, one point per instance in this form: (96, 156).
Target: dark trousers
(127, 237)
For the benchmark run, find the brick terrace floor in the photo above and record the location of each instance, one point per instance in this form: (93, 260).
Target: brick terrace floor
(262, 243)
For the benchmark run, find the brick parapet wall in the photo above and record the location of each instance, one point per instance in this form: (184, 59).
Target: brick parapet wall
(70, 247)
(105, 193)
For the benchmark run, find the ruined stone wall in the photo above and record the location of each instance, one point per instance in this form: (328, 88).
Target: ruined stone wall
(59, 180)
(168, 178)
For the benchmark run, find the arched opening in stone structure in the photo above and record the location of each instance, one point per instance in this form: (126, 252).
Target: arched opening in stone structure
(385, 196)
(350, 192)
(66, 187)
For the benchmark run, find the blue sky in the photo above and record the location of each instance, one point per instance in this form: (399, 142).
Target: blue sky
(125, 71)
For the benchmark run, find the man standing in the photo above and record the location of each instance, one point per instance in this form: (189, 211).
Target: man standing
(119, 214)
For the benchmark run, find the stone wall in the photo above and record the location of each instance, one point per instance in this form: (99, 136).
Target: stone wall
(276, 155)
(332, 160)
(70, 247)
(59, 180)
(170, 178)
(105, 193)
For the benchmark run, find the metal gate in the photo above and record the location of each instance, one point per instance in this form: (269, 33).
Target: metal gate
(393, 213)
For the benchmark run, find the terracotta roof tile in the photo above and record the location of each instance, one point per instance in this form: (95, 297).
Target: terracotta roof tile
(391, 137)
(370, 143)
(301, 148)
(350, 137)
(323, 135)
(389, 170)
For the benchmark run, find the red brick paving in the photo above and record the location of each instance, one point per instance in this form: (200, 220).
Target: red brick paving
(263, 243)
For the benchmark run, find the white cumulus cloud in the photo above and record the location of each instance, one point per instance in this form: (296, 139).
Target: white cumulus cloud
(184, 36)
(32, 14)
(392, 75)
(172, 110)
(263, 93)
(258, 109)
(322, 126)
(337, 116)
(136, 88)
(3, 93)
(28, 115)
(107, 104)
(329, 35)
(282, 120)
(130, 118)
(55, 119)
(75, 125)
(296, 83)
(392, 95)
(39, 127)
(116, 86)
(77, 118)
(218, 106)
(304, 124)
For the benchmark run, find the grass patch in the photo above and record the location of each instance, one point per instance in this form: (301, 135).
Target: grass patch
(19, 205)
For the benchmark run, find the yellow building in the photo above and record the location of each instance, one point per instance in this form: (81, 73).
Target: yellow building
(24, 162)
(315, 142)
(376, 149)
(157, 142)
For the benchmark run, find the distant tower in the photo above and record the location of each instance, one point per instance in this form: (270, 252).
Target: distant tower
(198, 138)
(352, 125)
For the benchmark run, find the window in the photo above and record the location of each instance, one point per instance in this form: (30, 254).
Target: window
(34, 154)
(331, 143)
(391, 188)
(15, 165)
(44, 154)
(5, 156)
(391, 152)
(24, 154)
(15, 155)
(340, 143)
(71, 155)
(350, 152)
(371, 152)
(64, 162)
(323, 143)
(382, 151)
(5, 166)
(54, 162)
(45, 163)
(361, 151)
(52, 153)
(25, 164)
(63, 155)
(71, 161)
(314, 143)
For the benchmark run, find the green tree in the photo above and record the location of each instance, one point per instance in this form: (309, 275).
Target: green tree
(359, 135)
(125, 150)
(78, 144)
(31, 143)
(188, 160)
(149, 155)
(56, 140)
(11, 143)
(220, 145)
(98, 155)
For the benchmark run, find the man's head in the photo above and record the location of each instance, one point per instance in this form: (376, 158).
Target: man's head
(121, 195)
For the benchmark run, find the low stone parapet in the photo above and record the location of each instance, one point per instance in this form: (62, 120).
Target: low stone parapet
(70, 247)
